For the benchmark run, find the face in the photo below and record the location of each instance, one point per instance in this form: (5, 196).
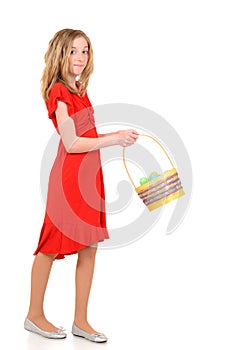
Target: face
(78, 57)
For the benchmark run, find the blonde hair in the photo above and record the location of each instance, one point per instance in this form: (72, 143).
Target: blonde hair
(57, 62)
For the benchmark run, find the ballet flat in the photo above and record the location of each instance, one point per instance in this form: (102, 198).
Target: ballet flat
(95, 337)
(31, 327)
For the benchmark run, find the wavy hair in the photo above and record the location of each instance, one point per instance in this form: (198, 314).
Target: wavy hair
(57, 62)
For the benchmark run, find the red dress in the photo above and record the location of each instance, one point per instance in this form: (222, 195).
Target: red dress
(75, 214)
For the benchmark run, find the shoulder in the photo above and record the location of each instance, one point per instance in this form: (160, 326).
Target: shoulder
(59, 92)
(59, 88)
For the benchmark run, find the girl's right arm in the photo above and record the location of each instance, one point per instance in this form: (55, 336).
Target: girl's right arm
(76, 144)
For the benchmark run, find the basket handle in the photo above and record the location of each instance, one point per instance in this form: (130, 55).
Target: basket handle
(154, 139)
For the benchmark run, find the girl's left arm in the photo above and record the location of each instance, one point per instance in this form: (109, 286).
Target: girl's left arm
(108, 134)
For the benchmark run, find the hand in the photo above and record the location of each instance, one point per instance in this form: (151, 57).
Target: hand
(127, 137)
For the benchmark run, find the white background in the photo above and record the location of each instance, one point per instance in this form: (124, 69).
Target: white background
(173, 57)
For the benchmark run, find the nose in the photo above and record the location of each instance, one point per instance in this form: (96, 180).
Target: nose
(80, 56)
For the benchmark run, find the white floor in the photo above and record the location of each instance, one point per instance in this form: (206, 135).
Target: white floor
(161, 292)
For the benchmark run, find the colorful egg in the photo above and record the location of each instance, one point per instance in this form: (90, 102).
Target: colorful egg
(143, 180)
(153, 175)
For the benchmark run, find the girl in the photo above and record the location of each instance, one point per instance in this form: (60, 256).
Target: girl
(75, 218)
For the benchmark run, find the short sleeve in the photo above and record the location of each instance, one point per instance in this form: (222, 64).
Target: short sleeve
(58, 92)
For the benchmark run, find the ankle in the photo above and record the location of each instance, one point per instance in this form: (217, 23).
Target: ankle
(35, 316)
(81, 322)
(80, 317)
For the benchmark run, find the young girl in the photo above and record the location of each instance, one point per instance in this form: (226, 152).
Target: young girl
(75, 218)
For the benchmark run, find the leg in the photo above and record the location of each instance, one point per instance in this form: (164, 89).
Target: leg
(84, 276)
(39, 278)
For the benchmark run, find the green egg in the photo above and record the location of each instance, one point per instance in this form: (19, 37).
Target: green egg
(143, 180)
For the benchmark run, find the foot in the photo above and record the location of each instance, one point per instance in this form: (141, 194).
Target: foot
(31, 327)
(94, 337)
(43, 323)
(85, 326)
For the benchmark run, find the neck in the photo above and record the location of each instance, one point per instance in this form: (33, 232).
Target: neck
(72, 81)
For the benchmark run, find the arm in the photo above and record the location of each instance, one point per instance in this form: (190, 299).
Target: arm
(75, 144)
(109, 133)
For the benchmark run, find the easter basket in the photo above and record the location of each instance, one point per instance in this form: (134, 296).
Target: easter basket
(159, 189)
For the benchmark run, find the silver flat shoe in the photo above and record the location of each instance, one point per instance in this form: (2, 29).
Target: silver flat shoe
(31, 327)
(95, 337)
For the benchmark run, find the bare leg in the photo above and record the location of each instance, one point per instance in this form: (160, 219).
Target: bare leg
(39, 278)
(84, 276)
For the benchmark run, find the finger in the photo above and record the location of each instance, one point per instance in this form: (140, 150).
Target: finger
(132, 138)
(129, 140)
(134, 131)
(134, 134)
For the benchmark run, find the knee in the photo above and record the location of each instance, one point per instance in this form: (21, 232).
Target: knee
(53, 256)
(87, 253)
(48, 256)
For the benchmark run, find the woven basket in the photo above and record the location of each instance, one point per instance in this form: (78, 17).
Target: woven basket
(164, 189)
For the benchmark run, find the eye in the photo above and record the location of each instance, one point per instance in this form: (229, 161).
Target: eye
(85, 52)
(73, 52)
